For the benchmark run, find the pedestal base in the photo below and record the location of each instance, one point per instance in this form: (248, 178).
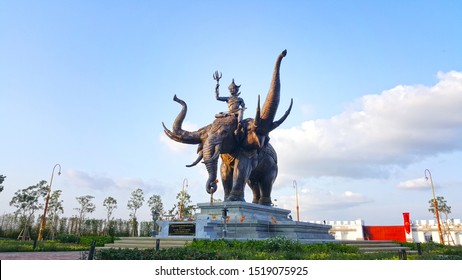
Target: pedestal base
(245, 221)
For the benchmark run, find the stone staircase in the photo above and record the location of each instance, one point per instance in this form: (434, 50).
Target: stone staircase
(370, 246)
(147, 243)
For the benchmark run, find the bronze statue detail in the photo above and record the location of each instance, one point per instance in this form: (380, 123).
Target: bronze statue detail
(236, 105)
(247, 156)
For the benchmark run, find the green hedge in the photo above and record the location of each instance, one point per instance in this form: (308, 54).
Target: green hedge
(64, 242)
(274, 249)
(85, 240)
(100, 240)
(225, 249)
(45, 246)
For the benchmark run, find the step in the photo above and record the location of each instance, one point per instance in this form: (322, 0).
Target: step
(147, 243)
(379, 245)
(383, 249)
(370, 246)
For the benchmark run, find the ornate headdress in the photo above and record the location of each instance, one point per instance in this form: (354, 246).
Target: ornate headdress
(234, 86)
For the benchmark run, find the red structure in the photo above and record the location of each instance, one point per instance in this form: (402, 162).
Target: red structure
(395, 233)
(407, 222)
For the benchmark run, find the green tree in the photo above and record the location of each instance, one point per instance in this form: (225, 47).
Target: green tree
(2, 178)
(86, 206)
(135, 203)
(110, 204)
(443, 206)
(55, 205)
(27, 202)
(155, 204)
(184, 203)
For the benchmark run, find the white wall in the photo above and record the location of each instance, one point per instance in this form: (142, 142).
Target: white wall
(353, 230)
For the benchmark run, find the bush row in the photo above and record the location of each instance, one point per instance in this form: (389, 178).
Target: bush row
(64, 242)
(273, 249)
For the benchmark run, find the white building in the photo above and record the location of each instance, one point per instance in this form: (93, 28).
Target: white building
(427, 230)
(421, 230)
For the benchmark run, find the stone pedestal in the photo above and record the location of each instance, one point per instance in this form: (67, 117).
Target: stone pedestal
(246, 221)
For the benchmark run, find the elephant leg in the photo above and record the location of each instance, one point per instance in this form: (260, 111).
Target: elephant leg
(255, 186)
(226, 171)
(266, 185)
(242, 170)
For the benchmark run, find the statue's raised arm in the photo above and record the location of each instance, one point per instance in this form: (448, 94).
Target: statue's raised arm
(217, 76)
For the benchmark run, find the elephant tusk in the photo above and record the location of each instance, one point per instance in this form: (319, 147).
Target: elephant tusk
(196, 161)
(172, 135)
(257, 114)
(215, 155)
(283, 118)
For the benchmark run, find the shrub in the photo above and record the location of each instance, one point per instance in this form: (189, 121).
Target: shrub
(277, 248)
(28, 246)
(100, 240)
(68, 238)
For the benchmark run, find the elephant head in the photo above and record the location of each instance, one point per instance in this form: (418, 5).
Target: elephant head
(220, 137)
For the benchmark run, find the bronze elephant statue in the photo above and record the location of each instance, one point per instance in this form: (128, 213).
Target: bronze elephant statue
(247, 156)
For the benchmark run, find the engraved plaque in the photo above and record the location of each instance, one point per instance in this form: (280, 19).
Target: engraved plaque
(182, 229)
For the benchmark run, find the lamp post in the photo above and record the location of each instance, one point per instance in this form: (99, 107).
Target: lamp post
(435, 204)
(182, 197)
(224, 215)
(296, 201)
(155, 216)
(42, 224)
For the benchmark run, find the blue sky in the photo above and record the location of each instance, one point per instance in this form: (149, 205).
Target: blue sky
(377, 90)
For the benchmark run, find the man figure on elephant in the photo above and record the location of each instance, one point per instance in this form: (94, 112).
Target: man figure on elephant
(236, 105)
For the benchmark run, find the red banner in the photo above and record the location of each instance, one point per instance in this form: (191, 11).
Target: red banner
(407, 222)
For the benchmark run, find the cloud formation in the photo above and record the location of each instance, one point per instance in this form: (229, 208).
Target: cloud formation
(315, 199)
(414, 184)
(103, 182)
(398, 127)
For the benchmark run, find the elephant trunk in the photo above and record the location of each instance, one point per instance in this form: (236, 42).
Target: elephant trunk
(177, 133)
(269, 109)
(210, 153)
(211, 184)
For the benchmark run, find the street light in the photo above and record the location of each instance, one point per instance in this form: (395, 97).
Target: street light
(155, 216)
(182, 197)
(296, 201)
(42, 224)
(435, 204)
(224, 215)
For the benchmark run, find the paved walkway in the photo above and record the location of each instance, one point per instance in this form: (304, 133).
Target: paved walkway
(68, 255)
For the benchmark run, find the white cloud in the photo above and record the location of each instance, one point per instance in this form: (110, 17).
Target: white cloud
(319, 199)
(83, 179)
(414, 184)
(76, 178)
(398, 127)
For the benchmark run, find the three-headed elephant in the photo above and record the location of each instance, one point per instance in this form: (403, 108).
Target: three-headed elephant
(247, 156)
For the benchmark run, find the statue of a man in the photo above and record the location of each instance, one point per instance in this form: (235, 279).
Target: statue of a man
(236, 105)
